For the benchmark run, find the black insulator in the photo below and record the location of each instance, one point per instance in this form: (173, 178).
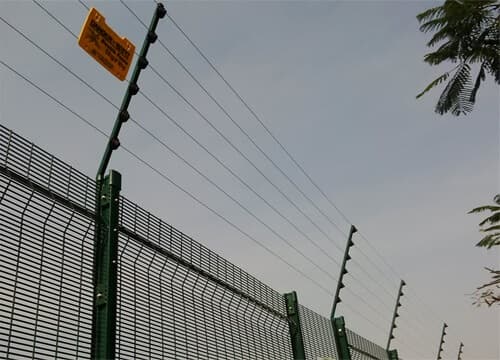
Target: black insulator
(152, 37)
(143, 62)
(161, 11)
(124, 115)
(115, 143)
(133, 89)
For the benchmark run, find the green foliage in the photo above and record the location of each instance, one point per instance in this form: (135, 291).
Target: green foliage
(468, 31)
(489, 293)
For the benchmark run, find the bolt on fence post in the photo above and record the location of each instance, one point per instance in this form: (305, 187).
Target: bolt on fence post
(459, 357)
(106, 269)
(292, 314)
(441, 342)
(393, 354)
(341, 341)
(338, 324)
(393, 322)
(106, 217)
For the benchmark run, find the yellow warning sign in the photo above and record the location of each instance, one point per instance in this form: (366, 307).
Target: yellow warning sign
(104, 45)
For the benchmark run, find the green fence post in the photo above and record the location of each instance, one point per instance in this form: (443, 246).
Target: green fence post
(106, 268)
(343, 271)
(292, 314)
(393, 322)
(441, 342)
(106, 217)
(460, 351)
(338, 324)
(340, 336)
(393, 355)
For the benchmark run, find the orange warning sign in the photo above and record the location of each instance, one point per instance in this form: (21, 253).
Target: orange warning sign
(104, 45)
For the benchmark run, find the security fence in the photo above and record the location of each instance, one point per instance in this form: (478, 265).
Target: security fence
(175, 298)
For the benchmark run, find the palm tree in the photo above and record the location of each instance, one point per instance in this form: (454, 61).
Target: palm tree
(489, 293)
(469, 33)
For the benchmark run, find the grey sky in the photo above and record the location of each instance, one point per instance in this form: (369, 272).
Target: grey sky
(336, 82)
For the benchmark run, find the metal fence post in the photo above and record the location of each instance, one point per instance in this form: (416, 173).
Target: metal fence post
(106, 220)
(292, 313)
(340, 336)
(393, 322)
(460, 351)
(441, 342)
(393, 355)
(338, 324)
(106, 268)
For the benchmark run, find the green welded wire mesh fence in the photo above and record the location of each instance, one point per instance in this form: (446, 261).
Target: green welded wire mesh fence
(176, 298)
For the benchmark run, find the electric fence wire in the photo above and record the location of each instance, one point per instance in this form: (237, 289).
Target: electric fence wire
(246, 133)
(420, 354)
(186, 192)
(218, 104)
(165, 177)
(417, 339)
(67, 29)
(375, 250)
(150, 133)
(220, 162)
(247, 106)
(227, 140)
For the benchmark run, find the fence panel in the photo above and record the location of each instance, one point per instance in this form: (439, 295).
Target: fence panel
(46, 239)
(363, 349)
(176, 298)
(180, 300)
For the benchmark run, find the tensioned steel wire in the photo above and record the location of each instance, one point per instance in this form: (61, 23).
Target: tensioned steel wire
(198, 143)
(236, 93)
(115, 106)
(47, 240)
(187, 193)
(206, 149)
(134, 341)
(166, 146)
(183, 97)
(173, 183)
(140, 327)
(69, 70)
(310, 179)
(380, 256)
(166, 48)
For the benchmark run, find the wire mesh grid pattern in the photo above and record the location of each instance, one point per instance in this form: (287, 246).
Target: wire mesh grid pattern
(46, 247)
(182, 301)
(176, 298)
(362, 348)
(318, 335)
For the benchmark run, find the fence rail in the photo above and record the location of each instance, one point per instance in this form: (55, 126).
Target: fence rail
(176, 298)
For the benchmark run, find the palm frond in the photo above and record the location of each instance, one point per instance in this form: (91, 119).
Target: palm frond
(434, 24)
(480, 77)
(479, 209)
(489, 241)
(455, 96)
(434, 83)
(491, 228)
(448, 51)
(493, 219)
(430, 13)
(439, 36)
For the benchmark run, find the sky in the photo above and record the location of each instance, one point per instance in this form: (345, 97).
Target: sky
(335, 82)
